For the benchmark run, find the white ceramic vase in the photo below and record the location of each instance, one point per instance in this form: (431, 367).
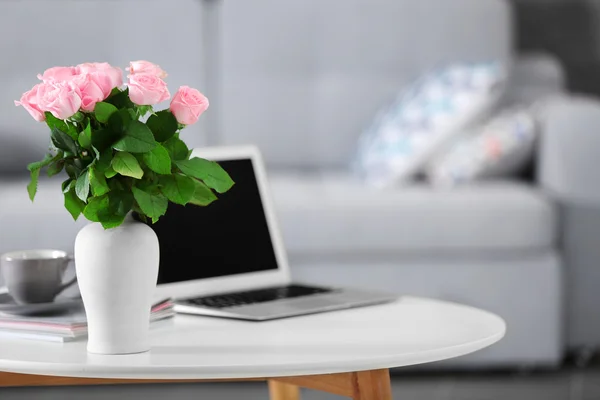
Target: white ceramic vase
(117, 271)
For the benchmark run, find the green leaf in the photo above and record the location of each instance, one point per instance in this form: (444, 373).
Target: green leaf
(119, 120)
(85, 137)
(33, 183)
(109, 221)
(117, 123)
(127, 165)
(103, 139)
(152, 205)
(104, 160)
(54, 122)
(82, 186)
(158, 160)
(66, 185)
(163, 125)
(209, 172)
(103, 111)
(203, 196)
(63, 141)
(114, 92)
(98, 182)
(109, 209)
(72, 203)
(99, 209)
(178, 188)
(79, 165)
(110, 172)
(147, 184)
(49, 158)
(34, 170)
(120, 99)
(61, 125)
(94, 206)
(143, 110)
(77, 117)
(55, 167)
(116, 184)
(138, 138)
(177, 149)
(71, 171)
(121, 202)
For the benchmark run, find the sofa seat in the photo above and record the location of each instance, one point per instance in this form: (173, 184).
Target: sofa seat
(334, 213)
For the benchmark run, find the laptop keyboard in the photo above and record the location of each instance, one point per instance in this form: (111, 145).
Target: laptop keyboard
(256, 296)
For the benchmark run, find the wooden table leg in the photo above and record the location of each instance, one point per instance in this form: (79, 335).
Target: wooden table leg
(364, 385)
(372, 385)
(283, 391)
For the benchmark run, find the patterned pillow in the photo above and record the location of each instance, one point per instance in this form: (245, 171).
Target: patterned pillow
(404, 136)
(501, 147)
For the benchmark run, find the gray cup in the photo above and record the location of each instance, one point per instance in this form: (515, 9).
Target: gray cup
(35, 276)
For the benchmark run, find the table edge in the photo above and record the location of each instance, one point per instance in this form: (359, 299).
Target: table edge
(251, 372)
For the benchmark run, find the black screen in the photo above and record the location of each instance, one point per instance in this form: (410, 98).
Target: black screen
(230, 236)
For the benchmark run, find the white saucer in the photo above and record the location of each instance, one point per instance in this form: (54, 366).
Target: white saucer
(9, 306)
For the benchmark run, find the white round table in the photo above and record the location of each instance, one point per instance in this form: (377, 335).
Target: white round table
(406, 332)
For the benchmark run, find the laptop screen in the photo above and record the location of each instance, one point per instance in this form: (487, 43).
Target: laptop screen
(229, 237)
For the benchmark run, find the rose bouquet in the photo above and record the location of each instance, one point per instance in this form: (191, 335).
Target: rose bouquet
(120, 154)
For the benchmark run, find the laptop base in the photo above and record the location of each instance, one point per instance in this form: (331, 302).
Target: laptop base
(333, 299)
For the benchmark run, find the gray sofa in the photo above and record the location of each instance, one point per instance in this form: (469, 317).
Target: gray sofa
(301, 79)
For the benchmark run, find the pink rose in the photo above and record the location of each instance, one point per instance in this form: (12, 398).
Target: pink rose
(146, 90)
(146, 67)
(62, 99)
(115, 74)
(58, 74)
(187, 105)
(30, 103)
(104, 81)
(89, 91)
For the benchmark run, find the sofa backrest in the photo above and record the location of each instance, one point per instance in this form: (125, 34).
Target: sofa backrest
(303, 78)
(40, 34)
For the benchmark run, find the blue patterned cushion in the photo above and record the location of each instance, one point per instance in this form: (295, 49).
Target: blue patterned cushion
(501, 147)
(438, 106)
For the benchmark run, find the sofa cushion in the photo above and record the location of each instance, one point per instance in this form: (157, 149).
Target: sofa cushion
(501, 147)
(336, 214)
(431, 113)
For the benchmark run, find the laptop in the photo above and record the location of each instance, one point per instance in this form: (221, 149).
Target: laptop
(228, 259)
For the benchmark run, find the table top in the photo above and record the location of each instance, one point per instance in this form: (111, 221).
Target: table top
(406, 332)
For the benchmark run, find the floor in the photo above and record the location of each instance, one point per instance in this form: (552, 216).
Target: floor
(570, 383)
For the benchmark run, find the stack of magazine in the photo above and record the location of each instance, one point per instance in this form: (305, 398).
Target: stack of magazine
(64, 327)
